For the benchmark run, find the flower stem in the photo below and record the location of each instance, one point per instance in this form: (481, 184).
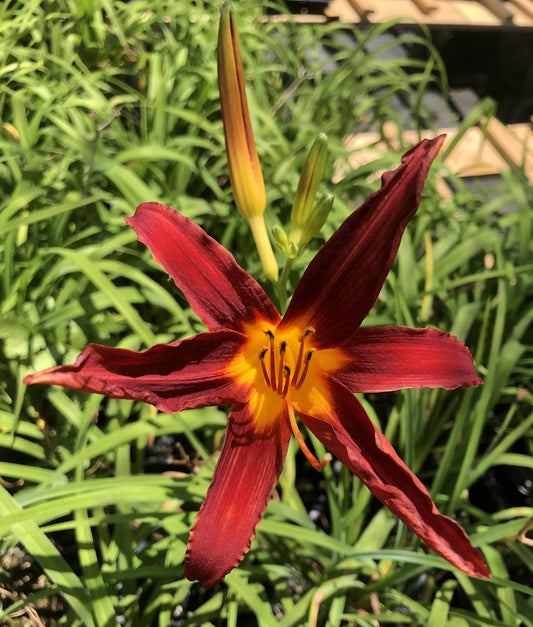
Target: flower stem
(264, 247)
(281, 284)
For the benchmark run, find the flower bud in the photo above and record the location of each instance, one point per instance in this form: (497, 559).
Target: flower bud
(289, 249)
(244, 168)
(302, 234)
(280, 237)
(308, 184)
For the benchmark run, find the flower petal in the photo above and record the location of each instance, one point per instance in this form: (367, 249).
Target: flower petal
(221, 293)
(391, 358)
(344, 428)
(343, 281)
(172, 377)
(246, 473)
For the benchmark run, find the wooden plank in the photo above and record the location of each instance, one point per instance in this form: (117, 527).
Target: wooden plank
(497, 8)
(299, 18)
(359, 9)
(519, 10)
(343, 11)
(379, 11)
(474, 14)
(524, 6)
(474, 155)
(453, 13)
(424, 6)
(514, 143)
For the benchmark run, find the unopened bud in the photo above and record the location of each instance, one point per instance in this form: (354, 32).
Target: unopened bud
(244, 168)
(309, 181)
(317, 217)
(290, 249)
(280, 237)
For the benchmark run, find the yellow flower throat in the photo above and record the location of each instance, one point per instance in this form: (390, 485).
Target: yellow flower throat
(280, 377)
(285, 371)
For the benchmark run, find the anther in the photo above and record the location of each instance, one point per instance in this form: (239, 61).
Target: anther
(263, 367)
(282, 348)
(273, 384)
(287, 381)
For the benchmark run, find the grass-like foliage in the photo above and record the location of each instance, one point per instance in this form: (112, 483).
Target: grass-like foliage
(108, 104)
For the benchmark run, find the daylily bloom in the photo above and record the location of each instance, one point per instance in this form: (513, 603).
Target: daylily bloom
(270, 369)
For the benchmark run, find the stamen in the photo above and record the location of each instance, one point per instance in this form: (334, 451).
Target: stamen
(304, 373)
(282, 348)
(300, 355)
(287, 381)
(305, 450)
(263, 367)
(272, 361)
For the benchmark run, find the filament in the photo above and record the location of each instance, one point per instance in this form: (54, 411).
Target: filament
(299, 438)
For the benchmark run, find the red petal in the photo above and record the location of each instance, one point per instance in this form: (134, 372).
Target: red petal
(221, 293)
(246, 473)
(343, 281)
(391, 358)
(182, 375)
(345, 429)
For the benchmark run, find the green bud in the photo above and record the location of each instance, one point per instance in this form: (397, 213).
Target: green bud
(309, 181)
(280, 237)
(317, 217)
(290, 249)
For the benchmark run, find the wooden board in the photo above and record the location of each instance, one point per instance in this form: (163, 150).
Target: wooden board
(454, 13)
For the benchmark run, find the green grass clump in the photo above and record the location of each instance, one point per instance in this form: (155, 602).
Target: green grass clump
(107, 104)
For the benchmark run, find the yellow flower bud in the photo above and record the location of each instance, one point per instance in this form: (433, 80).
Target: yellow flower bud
(244, 168)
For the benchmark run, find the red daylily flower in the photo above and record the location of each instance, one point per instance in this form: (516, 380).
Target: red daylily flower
(309, 363)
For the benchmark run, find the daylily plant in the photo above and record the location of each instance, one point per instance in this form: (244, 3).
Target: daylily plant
(271, 369)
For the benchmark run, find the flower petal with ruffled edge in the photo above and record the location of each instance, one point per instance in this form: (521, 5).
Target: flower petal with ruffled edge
(245, 476)
(343, 281)
(192, 373)
(339, 421)
(220, 292)
(391, 358)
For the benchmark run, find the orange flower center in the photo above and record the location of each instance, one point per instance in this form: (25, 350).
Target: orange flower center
(285, 373)
(278, 375)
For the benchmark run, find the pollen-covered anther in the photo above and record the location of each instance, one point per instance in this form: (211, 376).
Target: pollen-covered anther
(287, 381)
(281, 366)
(263, 367)
(272, 339)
